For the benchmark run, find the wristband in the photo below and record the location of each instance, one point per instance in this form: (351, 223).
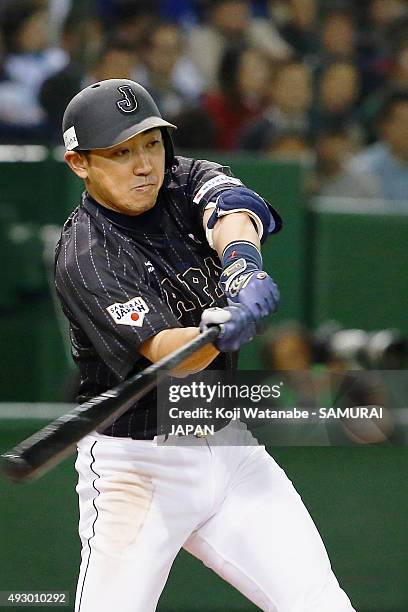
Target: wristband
(242, 249)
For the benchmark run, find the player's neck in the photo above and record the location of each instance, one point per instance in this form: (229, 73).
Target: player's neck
(148, 221)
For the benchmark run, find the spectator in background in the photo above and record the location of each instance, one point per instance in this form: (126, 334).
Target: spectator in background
(338, 92)
(195, 130)
(287, 347)
(28, 59)
(289, 98)
(116, 60)
(378, 38)
(299, 27)
(229, 22)
(294, 146)
(398, 81)
(339, 36)
(334, 148)
(385, 163)
(128, 20)
(243, 78)
(27, 62)
(383, 18)
(170, 76)
(384, 13)
(58, 89)
(290, 145)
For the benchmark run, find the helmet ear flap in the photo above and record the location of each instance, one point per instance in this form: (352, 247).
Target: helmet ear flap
(168, 147)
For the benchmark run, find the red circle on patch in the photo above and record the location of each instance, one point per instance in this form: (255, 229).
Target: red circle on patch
(134, 316)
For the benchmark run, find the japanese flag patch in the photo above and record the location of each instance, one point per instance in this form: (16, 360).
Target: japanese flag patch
(129, 313)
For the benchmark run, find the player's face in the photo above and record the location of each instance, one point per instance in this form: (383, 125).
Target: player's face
(127, 177)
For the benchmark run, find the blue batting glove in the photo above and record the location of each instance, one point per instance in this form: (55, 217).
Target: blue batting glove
(237, 326)
(259, 293)
(244, 282)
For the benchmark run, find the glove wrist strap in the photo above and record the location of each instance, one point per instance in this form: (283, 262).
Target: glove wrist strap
(242, 249)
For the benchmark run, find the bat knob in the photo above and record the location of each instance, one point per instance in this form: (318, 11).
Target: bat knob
(15, 467)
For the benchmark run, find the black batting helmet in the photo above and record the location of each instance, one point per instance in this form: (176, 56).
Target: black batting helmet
(109, 113)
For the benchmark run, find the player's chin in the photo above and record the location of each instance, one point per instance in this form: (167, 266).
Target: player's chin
(139, 204)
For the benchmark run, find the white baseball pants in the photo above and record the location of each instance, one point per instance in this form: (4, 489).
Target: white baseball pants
(232, 507)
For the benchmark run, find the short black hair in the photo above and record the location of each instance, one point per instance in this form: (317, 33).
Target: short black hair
(13, 15)
(391, 100)
(111, 43)
(338, 9)
(127, 9)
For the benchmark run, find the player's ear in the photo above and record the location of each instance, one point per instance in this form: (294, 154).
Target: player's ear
(78, 163)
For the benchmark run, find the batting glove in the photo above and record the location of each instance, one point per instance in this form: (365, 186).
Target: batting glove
(237, 326)
(244, 282)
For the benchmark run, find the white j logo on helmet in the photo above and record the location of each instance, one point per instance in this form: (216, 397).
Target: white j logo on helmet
(128, 104)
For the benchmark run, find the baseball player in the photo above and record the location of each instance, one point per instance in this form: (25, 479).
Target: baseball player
(159, 248)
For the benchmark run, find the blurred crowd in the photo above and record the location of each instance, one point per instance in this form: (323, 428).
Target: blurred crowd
(342, 368)
(320, 81)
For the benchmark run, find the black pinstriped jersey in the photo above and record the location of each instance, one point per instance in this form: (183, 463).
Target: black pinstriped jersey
(123, 279)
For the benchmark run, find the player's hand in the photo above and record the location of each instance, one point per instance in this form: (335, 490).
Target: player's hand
(257, 291)
(237, 326)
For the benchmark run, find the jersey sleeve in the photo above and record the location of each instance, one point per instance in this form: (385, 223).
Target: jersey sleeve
(112, 304)
(206, 181)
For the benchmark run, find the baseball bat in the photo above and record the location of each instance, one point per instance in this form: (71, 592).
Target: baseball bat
(49, 446)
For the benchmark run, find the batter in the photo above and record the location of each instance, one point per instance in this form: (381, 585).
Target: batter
(161, 247)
